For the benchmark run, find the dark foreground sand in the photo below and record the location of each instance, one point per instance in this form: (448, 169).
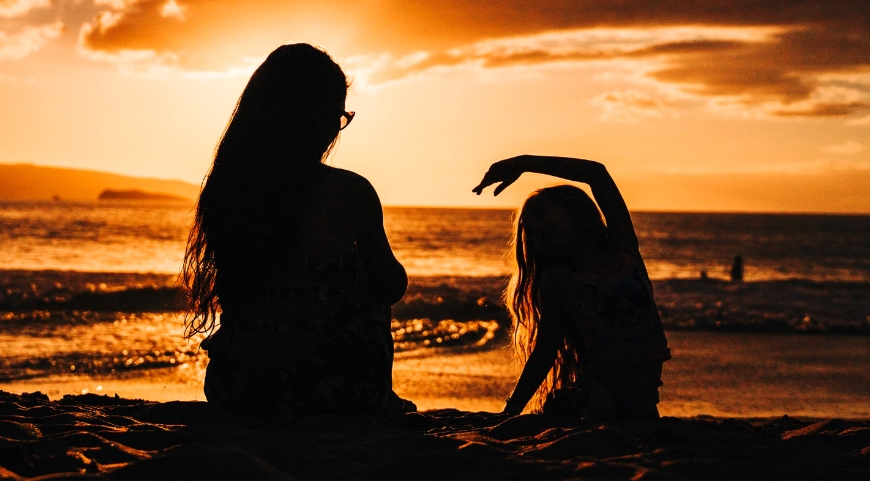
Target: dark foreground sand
(100, 437)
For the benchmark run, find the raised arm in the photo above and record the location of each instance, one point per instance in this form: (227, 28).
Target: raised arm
(607, 195)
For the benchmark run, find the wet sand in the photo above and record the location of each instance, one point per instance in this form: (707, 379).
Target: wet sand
(101, 437)
(721, 374)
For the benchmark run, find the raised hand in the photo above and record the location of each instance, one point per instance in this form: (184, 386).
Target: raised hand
(506, 171)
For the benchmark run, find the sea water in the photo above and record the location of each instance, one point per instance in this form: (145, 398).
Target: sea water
(149, 237)
(105, 248)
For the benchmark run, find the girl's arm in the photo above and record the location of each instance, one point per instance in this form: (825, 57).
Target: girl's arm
(619, 226)
(549, 338)
(537, 367)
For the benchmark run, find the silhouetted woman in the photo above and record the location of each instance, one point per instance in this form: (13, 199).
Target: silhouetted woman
(293, 255)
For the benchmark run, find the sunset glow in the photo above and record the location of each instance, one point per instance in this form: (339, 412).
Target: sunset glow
(710, 106)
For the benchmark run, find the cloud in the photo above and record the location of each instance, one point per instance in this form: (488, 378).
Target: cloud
(196, 36)
(171, 9)
(644, 47)
(768, 70)
(848, 148)
(787, 76)
(28, 40)
(767, 58)
(16, 8)
(632, 106)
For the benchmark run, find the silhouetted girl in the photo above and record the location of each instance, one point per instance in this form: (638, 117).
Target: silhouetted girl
(293, 255)
(586, 326)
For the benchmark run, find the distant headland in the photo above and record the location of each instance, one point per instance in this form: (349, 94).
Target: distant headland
(33, 182)
(136, 194)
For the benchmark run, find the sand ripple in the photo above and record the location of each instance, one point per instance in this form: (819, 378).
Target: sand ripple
(100, 437)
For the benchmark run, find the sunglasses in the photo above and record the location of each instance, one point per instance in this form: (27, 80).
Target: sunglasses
(346, 117)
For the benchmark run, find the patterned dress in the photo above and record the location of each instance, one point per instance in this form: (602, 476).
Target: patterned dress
(312, 342)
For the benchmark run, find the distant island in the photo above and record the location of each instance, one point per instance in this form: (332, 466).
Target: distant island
(135, 194)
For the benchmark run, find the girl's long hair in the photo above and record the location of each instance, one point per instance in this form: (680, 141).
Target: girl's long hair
(522, 293)
(284, 124)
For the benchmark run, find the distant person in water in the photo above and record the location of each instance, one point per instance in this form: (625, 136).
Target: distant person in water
(586, 326)
(293, 255)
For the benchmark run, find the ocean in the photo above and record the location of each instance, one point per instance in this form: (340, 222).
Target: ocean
(88, 303)
(150, 238)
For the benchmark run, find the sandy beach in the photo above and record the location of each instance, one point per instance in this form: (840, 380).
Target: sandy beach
(102, 437)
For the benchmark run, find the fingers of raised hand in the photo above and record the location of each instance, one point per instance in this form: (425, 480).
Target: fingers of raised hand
(503, 172)
(482, 185)
(504, 185)
(488, 179)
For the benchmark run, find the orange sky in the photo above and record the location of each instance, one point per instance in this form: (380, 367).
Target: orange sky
(743, 105)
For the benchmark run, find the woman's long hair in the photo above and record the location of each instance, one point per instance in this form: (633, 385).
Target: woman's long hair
(521, 295)
(284, 124)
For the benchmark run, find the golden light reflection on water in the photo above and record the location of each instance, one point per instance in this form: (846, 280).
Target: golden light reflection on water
(417, 333)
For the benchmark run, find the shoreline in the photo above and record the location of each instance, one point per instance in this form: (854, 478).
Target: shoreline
(714, 374)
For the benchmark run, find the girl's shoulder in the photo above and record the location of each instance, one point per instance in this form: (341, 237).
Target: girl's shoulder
(622, 264)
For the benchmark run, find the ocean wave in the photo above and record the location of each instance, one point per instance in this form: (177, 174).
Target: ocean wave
(762, 306)
(94, 363)
(114, 344)
(787, 306)
(22, 290)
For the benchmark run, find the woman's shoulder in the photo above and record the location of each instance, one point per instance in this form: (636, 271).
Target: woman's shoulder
(343, 175)
(350, 182)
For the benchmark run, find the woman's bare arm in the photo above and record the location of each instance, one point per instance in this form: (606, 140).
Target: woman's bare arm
(604, 189)
(385, 272)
